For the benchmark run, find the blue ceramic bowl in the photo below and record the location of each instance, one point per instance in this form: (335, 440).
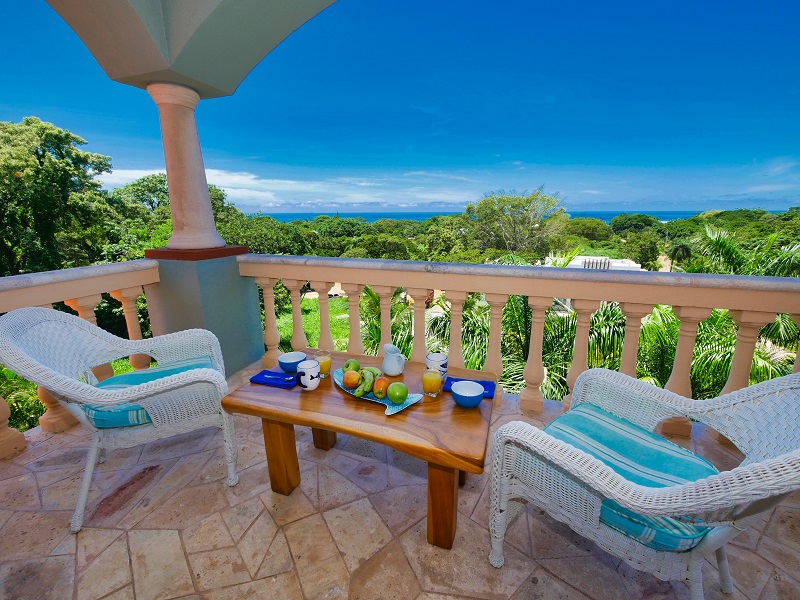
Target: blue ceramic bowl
(467, 393)
(290, 360)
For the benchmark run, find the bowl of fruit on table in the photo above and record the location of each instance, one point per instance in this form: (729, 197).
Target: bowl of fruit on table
(369, 383)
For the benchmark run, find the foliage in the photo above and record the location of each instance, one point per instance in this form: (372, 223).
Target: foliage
(643, 248)
(21, 397)
(636, 222)
(591, 229)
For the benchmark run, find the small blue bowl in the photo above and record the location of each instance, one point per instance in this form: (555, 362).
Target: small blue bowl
(467, 393)
(290, 360)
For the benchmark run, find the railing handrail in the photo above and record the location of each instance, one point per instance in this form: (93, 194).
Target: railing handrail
(770, 294)
(34, 289)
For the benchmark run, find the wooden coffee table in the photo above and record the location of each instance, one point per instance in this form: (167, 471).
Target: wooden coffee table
(452, 439)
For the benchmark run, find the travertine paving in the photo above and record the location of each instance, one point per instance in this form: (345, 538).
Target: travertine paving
(162, 524)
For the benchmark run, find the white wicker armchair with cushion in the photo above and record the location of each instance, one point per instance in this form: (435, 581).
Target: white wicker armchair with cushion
(57, 351)
(659, 507)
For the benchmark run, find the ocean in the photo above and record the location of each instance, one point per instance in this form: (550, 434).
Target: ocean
(661, 215)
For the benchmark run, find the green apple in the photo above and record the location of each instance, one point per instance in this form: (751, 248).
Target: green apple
(351, 365)
(397, 393)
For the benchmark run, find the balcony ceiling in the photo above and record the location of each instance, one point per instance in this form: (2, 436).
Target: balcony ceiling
(207, 45)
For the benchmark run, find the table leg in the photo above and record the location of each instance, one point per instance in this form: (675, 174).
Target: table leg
(462, 478)
(284, 469)
(442, 505)
(323, 439)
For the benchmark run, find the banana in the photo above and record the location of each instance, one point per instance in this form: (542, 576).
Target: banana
(376, 372)
(366, 385)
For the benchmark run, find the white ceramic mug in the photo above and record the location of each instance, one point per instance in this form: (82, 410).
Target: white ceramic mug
(308, 375)
(437, 361)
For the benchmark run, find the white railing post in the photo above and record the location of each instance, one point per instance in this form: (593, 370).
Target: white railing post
(634, 313)
(353, 291)
(11, 440)
(272, 338)
(325, 337)
(299, 340)
(84, 306)
(494, 359)
(580, 353)
(796, 368)
(749, 323)
(127, 297)
(385, 293)
(680, 380)
(455, 356)
(420, 350)
(531, 398)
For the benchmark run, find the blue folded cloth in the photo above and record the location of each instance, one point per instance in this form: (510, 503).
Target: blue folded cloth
(278, 379)
(488, 386)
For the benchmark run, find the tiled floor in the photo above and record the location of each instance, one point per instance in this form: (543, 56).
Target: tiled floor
(162, 524)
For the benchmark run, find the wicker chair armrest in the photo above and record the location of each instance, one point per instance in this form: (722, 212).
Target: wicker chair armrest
(631, 399)
(181, 345)
(716, 499)
(82, 393)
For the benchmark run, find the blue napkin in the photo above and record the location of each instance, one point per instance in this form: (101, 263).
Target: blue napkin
(488, 386)
(278, 379)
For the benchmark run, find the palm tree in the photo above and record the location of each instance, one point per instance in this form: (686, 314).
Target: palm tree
(718, 251)
(679, 251)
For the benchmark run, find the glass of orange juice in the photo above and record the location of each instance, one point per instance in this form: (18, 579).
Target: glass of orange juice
(431, 382)
(324, 359)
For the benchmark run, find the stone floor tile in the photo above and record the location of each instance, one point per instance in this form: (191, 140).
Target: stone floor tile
(285, 509)
(91, 542)
(401, 507)
(49, 477)
(358, 531)
(187, 507)
(178, 445)
(465, 569)
(749, 571)
(785, 526)
(712, 588)
(252, 482)
(218, 568)
(284, 587)
(320, 567)
(50, 578)
(112, 508)
(30, 535)
(372, 477)
(365, 450)
(309, 482)
(780, 586)
(208, 534)
(238, 518)
(278, 558)
(518, 533)
(106, 573)
(644, 585)
(60, 458)
(542, 585)
(125, 593)
(480, 514)
(20, 493)
(387, 575)
(552, 539)
(159, 565)
(9, 469)
(5, 515)
(255, 543)
(593, 575)
(406, 470)
(335, 489)
(433, 596)
(470, 493)
(120, 458)
(779, 555)
(69, 545)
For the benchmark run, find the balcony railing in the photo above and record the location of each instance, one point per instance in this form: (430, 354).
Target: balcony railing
(752, 301)
(81, 290)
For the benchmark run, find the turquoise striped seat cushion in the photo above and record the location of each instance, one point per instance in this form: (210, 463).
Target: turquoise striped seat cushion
(127, 414)
(641, 457)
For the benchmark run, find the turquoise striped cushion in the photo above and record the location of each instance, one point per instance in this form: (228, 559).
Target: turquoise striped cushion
(641, 457)
(127, 414)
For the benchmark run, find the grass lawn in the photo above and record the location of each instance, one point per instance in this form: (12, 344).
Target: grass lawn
(340, 324)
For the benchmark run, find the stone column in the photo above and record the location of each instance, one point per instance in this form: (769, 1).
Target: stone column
(531, 398)
(190, 203)
(11, 440)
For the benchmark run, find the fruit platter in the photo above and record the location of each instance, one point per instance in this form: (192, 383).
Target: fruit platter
(370, 384)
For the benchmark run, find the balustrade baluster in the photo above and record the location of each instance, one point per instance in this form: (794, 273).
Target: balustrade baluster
(580, 353)
(796, 369)
(84, 306)
(420, 350)
(680, 379)
(272, 338)
(325, 337)
(455, 356)
(749, 323)
(494, 360)
(11, 440)
(299, 341)
(127, 297)
(531, 398)
(385, 293)
(353, 291)
(634, 313)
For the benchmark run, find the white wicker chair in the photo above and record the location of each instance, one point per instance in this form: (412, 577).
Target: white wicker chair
(57, 351)
(762, 421)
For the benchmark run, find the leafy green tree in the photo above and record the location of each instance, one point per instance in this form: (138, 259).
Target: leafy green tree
(636, 222)
(719, 251)
(47, 186)
(643, 248)
(678, 252)
(514, 222)
(591, 229)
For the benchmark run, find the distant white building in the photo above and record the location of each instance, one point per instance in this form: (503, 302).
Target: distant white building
(600, 263)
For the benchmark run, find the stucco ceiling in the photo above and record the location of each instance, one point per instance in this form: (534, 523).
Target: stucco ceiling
(207, 45)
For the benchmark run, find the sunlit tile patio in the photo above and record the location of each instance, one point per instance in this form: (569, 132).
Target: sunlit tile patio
(162, 524)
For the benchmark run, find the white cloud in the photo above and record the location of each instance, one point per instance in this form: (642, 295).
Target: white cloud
(119, 177)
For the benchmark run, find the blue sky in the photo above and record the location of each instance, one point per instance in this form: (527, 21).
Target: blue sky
(420, 105)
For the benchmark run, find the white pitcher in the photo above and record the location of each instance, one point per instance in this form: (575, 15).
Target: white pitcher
(394, 361)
